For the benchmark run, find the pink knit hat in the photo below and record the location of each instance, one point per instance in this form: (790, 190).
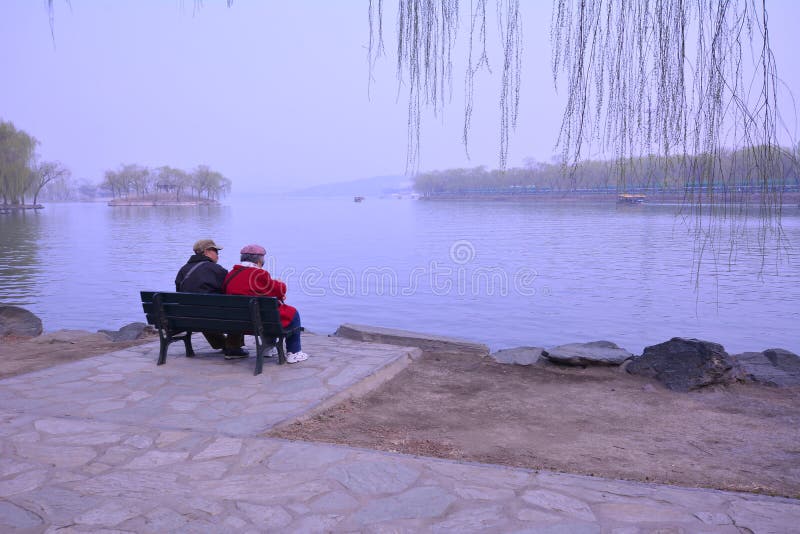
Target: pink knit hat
(253, 249)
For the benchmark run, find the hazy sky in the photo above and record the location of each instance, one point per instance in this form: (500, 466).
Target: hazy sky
(272, 94)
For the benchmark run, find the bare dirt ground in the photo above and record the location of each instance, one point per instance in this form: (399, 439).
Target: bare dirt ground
(594, 421)
(23, 355)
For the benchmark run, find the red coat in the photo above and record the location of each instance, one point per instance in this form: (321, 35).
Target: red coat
(258, 282)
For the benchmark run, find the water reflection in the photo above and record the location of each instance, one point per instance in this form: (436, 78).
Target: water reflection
(21, 257)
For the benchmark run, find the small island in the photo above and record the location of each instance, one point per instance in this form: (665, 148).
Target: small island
(135, 185)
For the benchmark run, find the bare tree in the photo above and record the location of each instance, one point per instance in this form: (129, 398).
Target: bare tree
(44, 173)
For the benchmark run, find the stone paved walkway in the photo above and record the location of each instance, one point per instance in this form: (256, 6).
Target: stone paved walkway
(116, 444)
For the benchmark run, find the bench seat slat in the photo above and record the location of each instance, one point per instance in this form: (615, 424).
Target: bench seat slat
(229, 314)
(228, 321)
(226, 314)
(198, 324)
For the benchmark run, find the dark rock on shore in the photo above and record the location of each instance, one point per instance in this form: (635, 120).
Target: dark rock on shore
(592, 353)
(129, 332)
(16, 321)
(685, 364)
(519, 355)
(773, 367)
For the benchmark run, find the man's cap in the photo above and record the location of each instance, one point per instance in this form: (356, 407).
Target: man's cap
(253, 249)
(205, 244)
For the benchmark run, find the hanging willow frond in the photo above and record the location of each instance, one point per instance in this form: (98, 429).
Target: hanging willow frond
(688, 82)
(511, 37)
(426, 34)
(633, 86)
(691, 85)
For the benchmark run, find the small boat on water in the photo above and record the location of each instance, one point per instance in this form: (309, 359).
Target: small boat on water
(358, 199)
(630, 198)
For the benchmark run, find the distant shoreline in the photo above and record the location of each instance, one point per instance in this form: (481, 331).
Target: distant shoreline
(10, 208)
(788, 199)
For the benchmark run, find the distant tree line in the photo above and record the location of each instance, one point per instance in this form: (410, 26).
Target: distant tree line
(137, 180)
(729, 170)
(23, 174)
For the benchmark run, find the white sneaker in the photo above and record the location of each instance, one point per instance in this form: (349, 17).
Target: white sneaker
(271, 353)
(295, 357)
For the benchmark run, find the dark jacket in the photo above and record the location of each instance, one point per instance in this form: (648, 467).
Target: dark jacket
(206, 278)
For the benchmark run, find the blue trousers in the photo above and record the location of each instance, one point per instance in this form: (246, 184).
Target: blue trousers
(293, 341)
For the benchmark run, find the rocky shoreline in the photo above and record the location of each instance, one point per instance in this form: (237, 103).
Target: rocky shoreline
(680, 364)
(20, 324)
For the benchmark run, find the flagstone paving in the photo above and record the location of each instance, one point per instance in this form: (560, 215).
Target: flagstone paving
(115, 443)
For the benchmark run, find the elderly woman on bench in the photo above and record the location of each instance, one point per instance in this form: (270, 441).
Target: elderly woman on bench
(248, 277)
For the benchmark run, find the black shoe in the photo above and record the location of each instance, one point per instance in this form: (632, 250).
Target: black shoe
(235, 354)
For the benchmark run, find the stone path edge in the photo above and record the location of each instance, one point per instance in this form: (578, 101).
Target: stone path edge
(380, 376)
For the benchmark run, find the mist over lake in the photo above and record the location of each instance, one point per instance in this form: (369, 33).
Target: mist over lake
(503, 273)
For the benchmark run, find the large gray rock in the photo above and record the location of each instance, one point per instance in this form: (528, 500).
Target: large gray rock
(405, 338)
(129, 332)
(684, 364)
(773, 367)
(16, 321)
(519, 355)
(592, 353)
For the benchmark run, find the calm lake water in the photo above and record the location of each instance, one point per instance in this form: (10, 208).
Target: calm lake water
(504, 273)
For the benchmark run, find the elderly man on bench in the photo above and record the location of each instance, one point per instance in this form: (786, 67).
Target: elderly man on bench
(202, 274)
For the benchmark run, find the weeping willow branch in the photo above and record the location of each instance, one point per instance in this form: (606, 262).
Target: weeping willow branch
(686, 83)
(426, 32)
(671, 77)
(376, 48)
(426, 35)
(511, 37)
(51, 13)
(695, 79)
(641, 76)
(477, 28)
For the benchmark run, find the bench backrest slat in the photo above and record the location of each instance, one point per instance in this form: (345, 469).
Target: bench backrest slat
(201, 311)
(196, 324)
(202, 299)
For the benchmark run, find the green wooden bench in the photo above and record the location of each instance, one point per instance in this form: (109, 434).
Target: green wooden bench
(178, 315)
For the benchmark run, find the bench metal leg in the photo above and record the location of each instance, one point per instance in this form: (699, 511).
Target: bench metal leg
(166, 340)
(281, 351)
(162, 351)
(259, 362)
(187, 341)
(260, 348)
